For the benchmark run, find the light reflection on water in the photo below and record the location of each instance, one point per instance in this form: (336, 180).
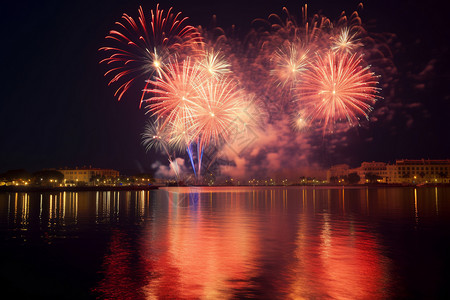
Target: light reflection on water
(193, 243)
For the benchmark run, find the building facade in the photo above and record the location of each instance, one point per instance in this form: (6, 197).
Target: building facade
(86, 175)
(372, 171)
(419, 171)
(404, 171)
(337, 171)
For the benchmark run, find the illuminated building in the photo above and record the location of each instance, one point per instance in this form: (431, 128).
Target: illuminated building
(372, 171)
(86, 175)
(404, 171)
(419, 171)
(337, 171)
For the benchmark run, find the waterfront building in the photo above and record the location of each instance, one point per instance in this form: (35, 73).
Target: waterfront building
(87, 174)
(420, 171)
(403, 171)
(337, 171)
(370, 172)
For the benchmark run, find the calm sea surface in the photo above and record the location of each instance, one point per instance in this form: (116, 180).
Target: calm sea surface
(221, 243)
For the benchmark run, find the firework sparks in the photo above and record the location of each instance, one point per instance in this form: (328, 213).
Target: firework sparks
(156, 137)
(338, 88)
(299, 121)
(291, 62)
(218, 109)
(195, 106)
(174, 95)
(140, 49)
(198, 99)
(180, 135)
(345, 41)
(215, 64)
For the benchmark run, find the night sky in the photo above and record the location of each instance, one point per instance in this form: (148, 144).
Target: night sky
(56, 109)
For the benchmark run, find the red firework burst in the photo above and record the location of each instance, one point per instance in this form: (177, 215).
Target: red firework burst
(337, 88)
(140, 49)
(220, 102)
(174, 96)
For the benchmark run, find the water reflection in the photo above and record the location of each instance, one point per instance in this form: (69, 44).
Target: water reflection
(340, 259)
(239, 242)
(54, 213)
(294, 243)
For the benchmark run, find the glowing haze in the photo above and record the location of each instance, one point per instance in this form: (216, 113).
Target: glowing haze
(248, 107)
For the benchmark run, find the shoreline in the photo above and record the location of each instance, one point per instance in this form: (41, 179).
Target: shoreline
(25, 189)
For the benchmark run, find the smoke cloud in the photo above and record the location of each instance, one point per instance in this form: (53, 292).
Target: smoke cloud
(273, 152)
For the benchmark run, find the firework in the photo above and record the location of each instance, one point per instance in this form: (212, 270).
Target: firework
(155, 137)
(215, 64)
(345, 41)
(251, 114)
(199, 99)
(338, 88)
(291, 62)
(219, 105)
(174, 96)
(181, 135)
(140, 49)
(299, 122)
(310, 31)
(197, 108)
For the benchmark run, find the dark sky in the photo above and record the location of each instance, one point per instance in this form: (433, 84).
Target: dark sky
(56, 109)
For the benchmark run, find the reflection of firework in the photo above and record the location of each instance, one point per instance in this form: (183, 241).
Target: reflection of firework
(139, 49)
(338, 88)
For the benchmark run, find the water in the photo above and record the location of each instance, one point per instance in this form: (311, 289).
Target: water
(221, 243)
